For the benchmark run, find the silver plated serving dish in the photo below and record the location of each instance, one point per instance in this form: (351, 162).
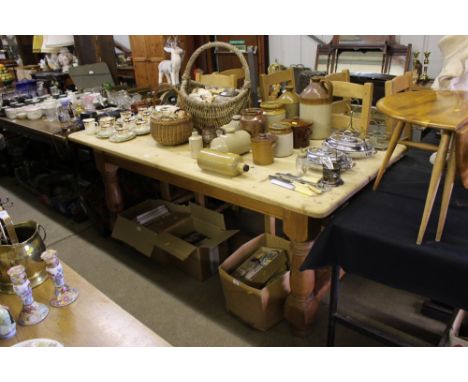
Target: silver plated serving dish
(316, 155)
(350, 143)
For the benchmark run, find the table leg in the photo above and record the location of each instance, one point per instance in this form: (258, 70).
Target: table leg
(388, 154)
(200, 199)
(165, 190)
(110, 177)
(448, 187)
(301, 305)
(270, 224)
(434, 183)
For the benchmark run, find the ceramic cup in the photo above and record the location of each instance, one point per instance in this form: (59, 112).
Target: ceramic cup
(90, 126)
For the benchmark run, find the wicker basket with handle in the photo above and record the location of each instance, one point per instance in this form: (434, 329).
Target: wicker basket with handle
(213, 114)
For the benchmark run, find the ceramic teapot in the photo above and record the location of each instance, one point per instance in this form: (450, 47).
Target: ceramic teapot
(316, 106)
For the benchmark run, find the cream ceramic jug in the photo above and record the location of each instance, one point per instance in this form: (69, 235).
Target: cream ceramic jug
(316, 106)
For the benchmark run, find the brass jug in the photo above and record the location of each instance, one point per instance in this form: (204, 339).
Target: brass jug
(316, 106)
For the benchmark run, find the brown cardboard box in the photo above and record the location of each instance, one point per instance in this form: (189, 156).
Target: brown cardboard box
(202, 259)
(260, 308)
(261, 266)
(142, 238)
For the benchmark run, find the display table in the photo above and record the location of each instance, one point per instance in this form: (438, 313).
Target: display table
(251, 190)
(40, 129)
(92, 320)
(442, 110)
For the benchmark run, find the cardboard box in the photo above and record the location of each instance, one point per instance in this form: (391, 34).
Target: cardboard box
(261, 266)
(200, 260)
(143, 238)
(260, 308)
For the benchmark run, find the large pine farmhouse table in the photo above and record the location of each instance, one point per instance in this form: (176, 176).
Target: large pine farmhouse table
(302, 216)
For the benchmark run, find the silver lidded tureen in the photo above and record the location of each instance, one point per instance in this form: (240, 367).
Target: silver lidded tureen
(350, 143)
(317, 156)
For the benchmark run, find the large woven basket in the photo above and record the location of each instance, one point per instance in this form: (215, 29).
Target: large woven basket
(213, 115)
(171, 132)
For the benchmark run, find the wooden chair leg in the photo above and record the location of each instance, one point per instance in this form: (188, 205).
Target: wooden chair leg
(388, 154)
(447, 193)
(434, 183)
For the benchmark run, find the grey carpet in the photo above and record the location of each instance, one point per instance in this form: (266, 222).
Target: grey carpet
(190, 313)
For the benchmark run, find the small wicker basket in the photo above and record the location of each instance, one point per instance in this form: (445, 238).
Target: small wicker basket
(171, 132)
(213, 115)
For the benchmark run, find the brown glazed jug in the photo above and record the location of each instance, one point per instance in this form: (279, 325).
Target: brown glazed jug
(302, 131)
(316, 106)
(253, 121)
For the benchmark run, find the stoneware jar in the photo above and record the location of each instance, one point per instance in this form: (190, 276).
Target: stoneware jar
(290, 100)
(232, 141)
(316, 106)
(302, 132)
(274, 111)
(285, 142)
(263, 149)
(253, 121)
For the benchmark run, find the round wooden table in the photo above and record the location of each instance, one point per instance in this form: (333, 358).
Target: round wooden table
(443, 110)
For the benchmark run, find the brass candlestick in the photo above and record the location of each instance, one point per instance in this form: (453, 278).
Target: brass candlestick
(417, 68)
(424, 77)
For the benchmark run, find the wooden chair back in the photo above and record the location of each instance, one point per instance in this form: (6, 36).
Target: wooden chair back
(218, 80)
(353, 91)
(344, 75)
(238, 74)
(342, 105)
(396, 85)
(276, 78)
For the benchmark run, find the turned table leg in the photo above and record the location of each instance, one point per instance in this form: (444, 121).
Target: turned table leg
(302, 304)
(110, 178)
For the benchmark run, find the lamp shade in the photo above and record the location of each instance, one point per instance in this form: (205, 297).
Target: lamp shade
(58, 41)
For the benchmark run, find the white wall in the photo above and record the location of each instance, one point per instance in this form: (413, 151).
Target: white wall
(123, 39)
(289, 50)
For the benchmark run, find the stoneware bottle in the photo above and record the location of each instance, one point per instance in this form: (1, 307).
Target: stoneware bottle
(227, 164)
(316, 106)
(290, 100)
(232, 141)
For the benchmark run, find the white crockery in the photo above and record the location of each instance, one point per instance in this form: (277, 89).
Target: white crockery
(33, 112)
(10, 113)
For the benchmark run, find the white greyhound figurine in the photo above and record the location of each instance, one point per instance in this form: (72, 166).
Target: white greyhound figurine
(170, 68)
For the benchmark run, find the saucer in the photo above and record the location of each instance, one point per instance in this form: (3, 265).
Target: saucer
(142, 131)
(117, 138)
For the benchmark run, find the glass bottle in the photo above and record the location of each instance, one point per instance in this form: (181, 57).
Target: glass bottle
(195, 144)
(301, 162)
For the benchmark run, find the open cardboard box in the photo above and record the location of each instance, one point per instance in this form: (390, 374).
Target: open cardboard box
(260, 308)
(202, 259)
(143, 238)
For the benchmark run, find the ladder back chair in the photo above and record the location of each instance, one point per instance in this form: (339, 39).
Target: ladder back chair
(275, 78)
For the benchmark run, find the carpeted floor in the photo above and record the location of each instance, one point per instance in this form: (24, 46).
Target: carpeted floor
(190, 313)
